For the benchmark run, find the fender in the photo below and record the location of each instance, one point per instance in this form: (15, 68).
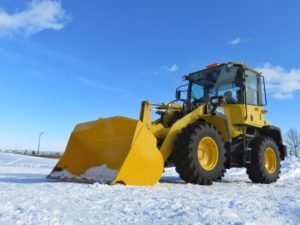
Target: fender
(275, 133)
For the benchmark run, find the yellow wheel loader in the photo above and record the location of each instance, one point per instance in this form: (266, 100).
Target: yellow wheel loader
(218, 125)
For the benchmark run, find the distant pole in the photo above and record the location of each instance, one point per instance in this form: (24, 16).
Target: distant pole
(38, 150)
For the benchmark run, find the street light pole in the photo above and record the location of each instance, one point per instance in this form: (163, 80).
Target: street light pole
(38, 150)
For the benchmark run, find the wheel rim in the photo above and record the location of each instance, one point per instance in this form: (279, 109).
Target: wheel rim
(208, 153)
(270, 160)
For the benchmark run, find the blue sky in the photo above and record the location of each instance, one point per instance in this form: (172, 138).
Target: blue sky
(65, 62)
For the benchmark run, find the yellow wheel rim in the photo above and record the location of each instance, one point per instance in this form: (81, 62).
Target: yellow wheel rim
(208, 153)
(270, 160)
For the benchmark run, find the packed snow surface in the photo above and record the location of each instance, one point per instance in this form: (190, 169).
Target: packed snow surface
(27, 197)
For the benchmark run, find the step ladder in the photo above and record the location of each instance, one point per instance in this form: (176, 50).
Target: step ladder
(247, 149)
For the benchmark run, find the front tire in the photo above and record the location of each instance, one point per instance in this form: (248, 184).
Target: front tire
(199, 154)
(265, 161)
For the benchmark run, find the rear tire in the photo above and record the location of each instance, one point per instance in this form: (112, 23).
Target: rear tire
(265, 161)
(199, 154)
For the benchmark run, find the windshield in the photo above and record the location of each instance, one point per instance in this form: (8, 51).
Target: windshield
(218, 81)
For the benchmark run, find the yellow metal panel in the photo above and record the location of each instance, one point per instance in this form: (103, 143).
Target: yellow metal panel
(237, 114)
(144, 163)
(158, 130)
(220, 124)
(145, 114)
(167, 146)
(104, 141)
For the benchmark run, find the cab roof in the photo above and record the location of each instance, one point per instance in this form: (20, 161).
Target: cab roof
(221, 64)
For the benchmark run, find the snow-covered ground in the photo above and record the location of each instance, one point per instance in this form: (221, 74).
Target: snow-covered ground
(27, 197)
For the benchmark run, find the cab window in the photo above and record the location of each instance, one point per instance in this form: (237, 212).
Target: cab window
(251, 84)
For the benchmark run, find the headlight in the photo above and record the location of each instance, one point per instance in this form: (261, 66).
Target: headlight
(215, 101)
(209, 107)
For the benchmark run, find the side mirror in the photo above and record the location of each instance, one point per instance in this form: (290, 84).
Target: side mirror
(178, 94)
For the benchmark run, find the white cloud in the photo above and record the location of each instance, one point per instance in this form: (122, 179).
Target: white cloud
(172, 68)
(235, 41)
(280, 82)
(37, 16)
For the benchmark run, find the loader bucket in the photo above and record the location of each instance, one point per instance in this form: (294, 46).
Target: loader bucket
(113, 150)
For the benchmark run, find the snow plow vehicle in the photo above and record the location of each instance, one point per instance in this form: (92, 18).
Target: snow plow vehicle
(218, 125)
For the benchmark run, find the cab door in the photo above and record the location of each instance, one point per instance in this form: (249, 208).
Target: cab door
(255, 98)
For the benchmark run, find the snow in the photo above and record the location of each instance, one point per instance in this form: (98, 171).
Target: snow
(27, 197)
(101, 174)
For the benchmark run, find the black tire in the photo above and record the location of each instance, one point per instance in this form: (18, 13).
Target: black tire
(257, 170)
(185, 154)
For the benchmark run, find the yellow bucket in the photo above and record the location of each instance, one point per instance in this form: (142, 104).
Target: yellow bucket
(112, 150)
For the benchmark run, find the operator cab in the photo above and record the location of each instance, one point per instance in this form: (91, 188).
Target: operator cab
(231, 83)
